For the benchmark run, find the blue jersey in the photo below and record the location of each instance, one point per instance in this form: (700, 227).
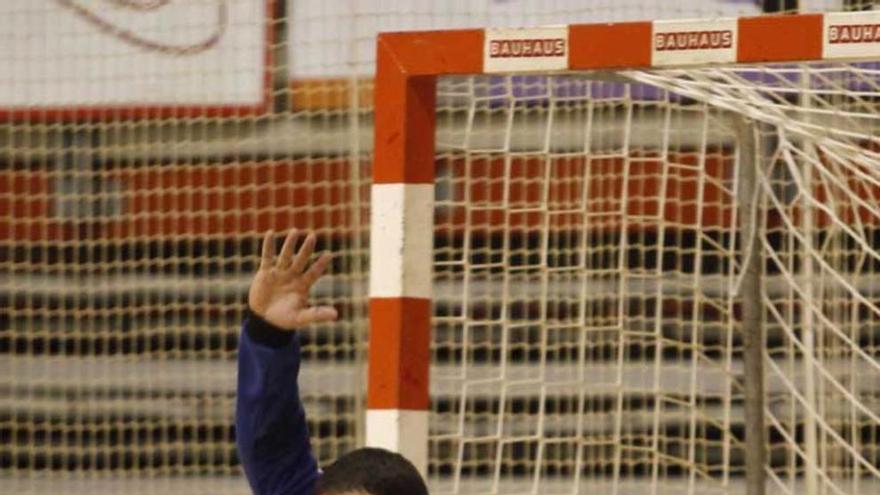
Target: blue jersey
(270, 423)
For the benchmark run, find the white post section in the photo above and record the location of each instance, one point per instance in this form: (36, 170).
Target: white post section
(401, 240)
(750, 295)
(808, 325)
(402, 431)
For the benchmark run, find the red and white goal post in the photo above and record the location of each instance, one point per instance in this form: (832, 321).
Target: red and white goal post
(634, 257)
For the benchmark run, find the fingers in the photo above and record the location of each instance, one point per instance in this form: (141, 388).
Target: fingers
(286, 256)
(305, 252)
(268, 251)
(316, 314)
(316, 270)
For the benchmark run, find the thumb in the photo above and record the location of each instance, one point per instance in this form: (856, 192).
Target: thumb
(316, 314)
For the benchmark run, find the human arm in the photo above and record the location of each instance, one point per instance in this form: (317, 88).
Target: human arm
(271, 432)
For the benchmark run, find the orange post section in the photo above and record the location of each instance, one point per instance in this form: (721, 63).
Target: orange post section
(404, 126)
(406, 68)
(400, 343)
(434, 53)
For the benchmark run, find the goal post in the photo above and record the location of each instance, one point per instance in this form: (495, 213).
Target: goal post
(577, 284)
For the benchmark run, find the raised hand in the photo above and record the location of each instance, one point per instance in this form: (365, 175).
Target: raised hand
(280, 291)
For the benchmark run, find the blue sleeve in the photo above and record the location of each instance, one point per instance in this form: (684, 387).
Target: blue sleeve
(270, 423)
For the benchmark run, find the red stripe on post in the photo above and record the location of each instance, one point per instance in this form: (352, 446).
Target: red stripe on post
(780, 38)
(435, 53)
(603, 46)
(406, 68)
(400, 353)
(403, 138)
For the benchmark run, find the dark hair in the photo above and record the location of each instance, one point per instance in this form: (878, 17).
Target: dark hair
(374, 471)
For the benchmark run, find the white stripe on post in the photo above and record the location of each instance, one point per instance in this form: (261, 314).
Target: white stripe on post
(401, 240)
(401, 431)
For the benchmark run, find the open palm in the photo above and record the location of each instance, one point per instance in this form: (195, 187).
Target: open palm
(280, 291)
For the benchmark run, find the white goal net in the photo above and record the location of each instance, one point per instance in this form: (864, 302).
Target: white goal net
(590, 280)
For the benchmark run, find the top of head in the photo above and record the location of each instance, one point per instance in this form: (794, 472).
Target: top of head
(371, 471)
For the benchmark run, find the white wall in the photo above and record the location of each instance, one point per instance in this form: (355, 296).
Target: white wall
(74, 52)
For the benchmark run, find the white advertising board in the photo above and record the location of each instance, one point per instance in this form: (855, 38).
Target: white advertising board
(526, 49)
(694, 42)
(85, 54)
(851, 35)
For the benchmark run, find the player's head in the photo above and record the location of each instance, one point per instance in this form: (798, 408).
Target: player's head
(371, 471)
